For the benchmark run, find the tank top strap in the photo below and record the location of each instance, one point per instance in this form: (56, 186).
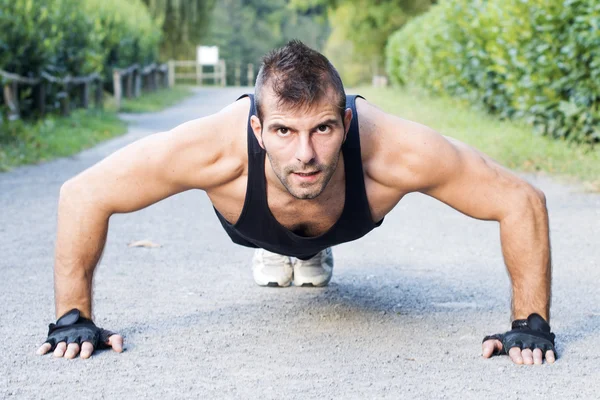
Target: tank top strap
(356, 197)
(256, 187)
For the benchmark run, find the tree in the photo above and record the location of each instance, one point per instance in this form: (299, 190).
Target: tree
(184, 24)
(246, 30)
(361, 28)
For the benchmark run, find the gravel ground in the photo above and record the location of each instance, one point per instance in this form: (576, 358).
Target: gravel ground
(403, 317)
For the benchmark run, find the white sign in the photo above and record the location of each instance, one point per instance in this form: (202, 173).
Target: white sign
(207, 55)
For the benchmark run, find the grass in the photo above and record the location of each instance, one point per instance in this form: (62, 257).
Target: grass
(30, 143)
(26, 142)
(156, 101)
(511, 143)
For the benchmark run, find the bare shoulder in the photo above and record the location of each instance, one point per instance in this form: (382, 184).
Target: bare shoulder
(209, 151)
(402, 156)
(205, 153)
(393, 148)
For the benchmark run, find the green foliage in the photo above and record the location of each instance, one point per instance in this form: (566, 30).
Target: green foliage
(156, 101)
(127, 32)
(538, 60)
(366, 26)
(26, 142)
(48, 35)
(245, 31)
(74, 37)
(184, 25)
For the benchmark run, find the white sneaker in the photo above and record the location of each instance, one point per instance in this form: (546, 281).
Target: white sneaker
(316, 271)
(271, 269)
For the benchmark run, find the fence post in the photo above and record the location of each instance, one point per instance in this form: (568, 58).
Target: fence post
(199, 71)
(117, 88)
(40, 97)
(129, 85)
(99, 94)
(137, 77)
(11, 99)
(223, 73)
(237, 72)
(171, 73)
(153, 79)
(250, 74)
(64, 101)
(85, 95)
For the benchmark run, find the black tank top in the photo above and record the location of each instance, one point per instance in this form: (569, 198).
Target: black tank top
(257, 227)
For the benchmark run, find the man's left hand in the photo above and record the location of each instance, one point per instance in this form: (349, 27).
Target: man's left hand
(528, 342)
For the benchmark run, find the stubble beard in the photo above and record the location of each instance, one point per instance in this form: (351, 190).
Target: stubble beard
(318, 187)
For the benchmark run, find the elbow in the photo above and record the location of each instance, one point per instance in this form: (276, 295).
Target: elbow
(537, 198)
(527, 201)
(76, 194)
(532, 200)
(70, 189)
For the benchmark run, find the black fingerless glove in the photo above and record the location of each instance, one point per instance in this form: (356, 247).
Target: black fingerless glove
(531, 333)
(73, 328)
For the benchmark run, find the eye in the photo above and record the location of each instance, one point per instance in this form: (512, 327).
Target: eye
(283, 131)
(323, 128)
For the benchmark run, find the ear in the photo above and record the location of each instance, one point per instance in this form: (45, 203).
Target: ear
(257, 129)
(347, 121)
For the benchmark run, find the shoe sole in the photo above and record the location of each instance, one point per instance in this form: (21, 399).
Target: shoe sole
(311, 284)
(274, 284)
(264, 281)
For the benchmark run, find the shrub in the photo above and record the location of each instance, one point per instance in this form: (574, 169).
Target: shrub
(538, 60)
(73, 37)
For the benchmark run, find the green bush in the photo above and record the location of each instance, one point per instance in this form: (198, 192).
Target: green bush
(127, 32)
(75, 37)
(537, 59)
(25, 45)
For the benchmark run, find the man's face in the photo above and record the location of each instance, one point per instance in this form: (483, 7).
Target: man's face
(303, 145)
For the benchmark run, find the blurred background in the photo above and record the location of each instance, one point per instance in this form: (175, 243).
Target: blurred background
(533, 67)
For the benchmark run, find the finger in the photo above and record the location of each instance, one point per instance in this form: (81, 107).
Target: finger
(537, 356)
(72, 350)
(550, 357)
(116, 342)
(60, 349)
(44, 349)
(515, 355)
(86, 350)
(527, 355)
(490, 346)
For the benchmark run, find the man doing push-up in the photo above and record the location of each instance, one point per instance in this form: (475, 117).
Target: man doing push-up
(293, 170)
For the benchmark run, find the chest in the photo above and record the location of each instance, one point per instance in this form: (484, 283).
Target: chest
(307, 218)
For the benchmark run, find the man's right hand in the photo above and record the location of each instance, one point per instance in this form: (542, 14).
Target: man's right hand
(71, 330)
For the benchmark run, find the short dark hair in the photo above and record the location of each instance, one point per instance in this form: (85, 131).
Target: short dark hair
(299, 76)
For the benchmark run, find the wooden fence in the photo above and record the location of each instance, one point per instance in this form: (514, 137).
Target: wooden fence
(82, 85)
(76, 92)
(195, 71)
(131, 81)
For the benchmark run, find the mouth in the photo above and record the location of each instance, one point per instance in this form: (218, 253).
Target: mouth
(306, 173)
(306, 176)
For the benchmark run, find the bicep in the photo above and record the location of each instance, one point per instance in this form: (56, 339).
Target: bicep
(467, 179)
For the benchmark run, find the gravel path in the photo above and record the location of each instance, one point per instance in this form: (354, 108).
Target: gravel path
(402, 318)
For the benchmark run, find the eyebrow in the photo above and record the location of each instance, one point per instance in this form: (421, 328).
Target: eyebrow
(276, 126)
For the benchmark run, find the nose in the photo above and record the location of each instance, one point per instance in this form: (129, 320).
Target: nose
(305, 151)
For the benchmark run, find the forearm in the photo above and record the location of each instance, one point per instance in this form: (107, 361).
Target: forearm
(81, 235)
(526, 248)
